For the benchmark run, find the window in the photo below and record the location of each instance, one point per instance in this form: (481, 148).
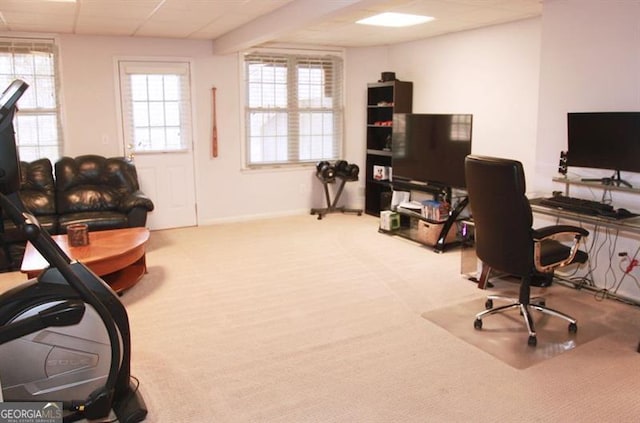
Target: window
(156, 105)
(37, 125)
(461, 127)
(293, 108)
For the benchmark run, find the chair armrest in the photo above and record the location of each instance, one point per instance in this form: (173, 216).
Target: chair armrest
(136, 199)
(553, 235)
(551, 231)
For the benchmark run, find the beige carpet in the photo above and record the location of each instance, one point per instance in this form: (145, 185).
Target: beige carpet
(300, 320)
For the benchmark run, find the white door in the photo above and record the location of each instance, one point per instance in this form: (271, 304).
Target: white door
(167, 179)
(156, 119)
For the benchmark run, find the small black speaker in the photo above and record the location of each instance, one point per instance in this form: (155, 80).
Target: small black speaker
(385, 200)
(562, 165)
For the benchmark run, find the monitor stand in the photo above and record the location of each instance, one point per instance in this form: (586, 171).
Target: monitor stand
(613, 180)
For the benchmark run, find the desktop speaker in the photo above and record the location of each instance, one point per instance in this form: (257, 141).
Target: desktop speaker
(562, 165)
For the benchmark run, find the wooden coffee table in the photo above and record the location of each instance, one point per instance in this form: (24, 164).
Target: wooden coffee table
(118, 256)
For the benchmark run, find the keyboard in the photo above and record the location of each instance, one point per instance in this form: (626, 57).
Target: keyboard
(579, 205)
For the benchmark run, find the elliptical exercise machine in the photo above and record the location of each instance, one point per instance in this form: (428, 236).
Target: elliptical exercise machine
(64, 335)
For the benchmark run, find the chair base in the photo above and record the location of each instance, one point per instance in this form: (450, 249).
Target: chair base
(536, 303)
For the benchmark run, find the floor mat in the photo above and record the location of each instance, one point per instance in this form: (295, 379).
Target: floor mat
(504, 335)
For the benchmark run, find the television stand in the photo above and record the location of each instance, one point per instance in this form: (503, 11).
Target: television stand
(446, 232)
(613, 180)
(454, 216)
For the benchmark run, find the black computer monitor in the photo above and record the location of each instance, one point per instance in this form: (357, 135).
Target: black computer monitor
(604, 140)
(9, 159)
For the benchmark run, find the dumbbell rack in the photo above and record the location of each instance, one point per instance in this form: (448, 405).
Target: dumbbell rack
(332, 205)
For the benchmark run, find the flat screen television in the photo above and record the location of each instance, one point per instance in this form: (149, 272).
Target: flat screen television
(604, 140)
(431, 148)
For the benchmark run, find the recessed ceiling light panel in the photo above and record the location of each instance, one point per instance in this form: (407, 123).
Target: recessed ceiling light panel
(395, 19)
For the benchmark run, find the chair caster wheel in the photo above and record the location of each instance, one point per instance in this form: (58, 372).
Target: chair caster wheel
(488, 304)
(477, 324)
(573, 328)
(533, 341)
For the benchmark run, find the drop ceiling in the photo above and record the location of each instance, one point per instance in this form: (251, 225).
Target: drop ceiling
(237, 24)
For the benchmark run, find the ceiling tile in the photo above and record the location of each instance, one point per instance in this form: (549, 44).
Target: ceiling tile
(90, 25)
(128, 9)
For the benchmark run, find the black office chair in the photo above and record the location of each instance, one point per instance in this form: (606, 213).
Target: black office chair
(505, 240)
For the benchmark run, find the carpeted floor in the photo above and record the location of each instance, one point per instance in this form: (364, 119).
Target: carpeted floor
(299, 320)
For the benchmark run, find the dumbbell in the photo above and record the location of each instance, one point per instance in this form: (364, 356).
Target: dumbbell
(346, 170)
(325, 171)
(351, 172)
(341, 166)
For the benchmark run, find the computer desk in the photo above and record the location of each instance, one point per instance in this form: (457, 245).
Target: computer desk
(621, 226)
(629, 225)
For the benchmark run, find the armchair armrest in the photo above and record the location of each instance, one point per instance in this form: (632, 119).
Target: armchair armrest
(549, 236)
(136, 199)
(552, 231)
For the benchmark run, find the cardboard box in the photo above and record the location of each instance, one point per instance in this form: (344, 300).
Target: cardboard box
(428, 233)
(389, 221)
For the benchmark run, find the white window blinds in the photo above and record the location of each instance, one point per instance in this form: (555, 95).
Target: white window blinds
(293, 108)
(37, 125)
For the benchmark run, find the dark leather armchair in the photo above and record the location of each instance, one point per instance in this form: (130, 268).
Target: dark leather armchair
(37, 192)
(101, 192)
(506, 241)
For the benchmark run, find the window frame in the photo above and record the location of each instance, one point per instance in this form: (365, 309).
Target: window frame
(339, 120)
(47, 45)
(154, 66)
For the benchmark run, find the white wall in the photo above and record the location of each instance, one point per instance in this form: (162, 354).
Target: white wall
(590, 62)
(491, 73)
(224, 192)
(89, 91)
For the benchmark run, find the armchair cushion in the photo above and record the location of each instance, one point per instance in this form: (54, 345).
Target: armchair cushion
(102, 192)
(37, 189)
(37, 192)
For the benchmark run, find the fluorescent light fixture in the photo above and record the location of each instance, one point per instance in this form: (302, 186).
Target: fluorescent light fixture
(395, 19)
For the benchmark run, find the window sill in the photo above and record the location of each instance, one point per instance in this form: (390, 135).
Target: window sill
(278, 168)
